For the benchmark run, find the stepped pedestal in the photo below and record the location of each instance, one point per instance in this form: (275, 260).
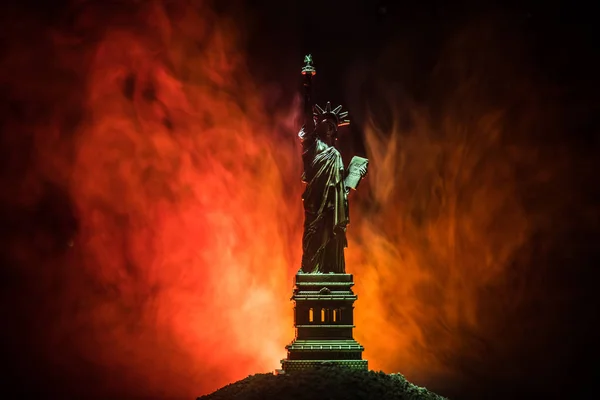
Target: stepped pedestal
(323, 318)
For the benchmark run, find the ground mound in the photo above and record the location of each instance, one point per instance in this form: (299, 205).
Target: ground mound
(332, 383)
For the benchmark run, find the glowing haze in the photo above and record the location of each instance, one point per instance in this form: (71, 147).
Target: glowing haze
(176, 275)
(180, 196)
(185, 244)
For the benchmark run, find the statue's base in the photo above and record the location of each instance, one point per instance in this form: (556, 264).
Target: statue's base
(324, 322)
(303, 365)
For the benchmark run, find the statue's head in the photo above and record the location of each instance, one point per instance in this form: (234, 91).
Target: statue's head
(326, 130)
(327, 121)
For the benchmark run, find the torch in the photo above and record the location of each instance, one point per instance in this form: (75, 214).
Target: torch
(307, 73)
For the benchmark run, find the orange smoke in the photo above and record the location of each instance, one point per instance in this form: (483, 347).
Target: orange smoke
(178, 160)
(441, 248)
(182, 186)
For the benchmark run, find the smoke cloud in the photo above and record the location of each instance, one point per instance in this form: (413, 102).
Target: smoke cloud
(465, 249)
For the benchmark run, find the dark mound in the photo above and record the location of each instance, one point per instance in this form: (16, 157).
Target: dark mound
(326, 384)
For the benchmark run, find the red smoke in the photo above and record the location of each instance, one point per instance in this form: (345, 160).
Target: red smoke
(181, 183)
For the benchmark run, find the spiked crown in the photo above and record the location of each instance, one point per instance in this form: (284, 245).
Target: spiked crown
(337, 116)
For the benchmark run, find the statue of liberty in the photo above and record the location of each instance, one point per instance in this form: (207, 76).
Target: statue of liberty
(327, 184)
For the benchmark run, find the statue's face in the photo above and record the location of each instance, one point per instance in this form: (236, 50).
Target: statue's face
(327, 130)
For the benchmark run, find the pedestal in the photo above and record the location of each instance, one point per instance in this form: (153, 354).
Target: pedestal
(324, 320)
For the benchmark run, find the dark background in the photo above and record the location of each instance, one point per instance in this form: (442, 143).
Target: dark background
(352, 43)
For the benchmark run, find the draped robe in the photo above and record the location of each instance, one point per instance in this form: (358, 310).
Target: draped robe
(325, 202)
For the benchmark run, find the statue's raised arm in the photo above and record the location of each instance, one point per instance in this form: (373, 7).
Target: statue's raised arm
(308, 71)
(307, 132)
